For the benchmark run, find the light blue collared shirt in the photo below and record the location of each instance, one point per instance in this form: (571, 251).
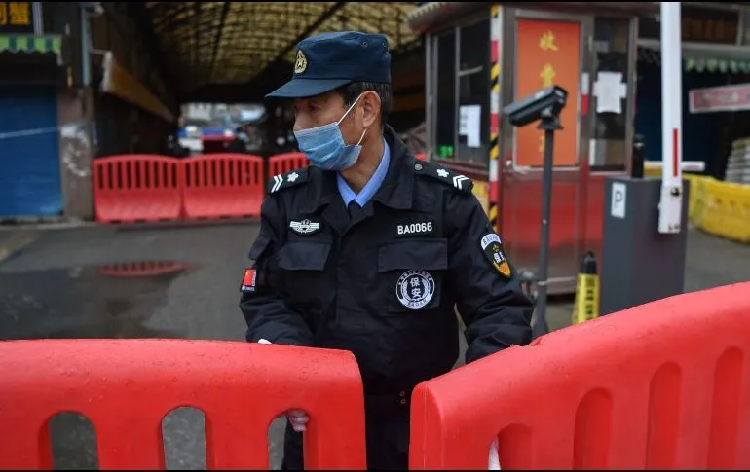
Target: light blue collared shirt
(372, 185)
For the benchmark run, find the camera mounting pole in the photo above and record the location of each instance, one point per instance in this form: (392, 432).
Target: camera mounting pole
(550, 122)
(543, 106)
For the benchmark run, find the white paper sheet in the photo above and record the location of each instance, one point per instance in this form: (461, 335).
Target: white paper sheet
(609, 91)
(463, 121)
(470, 123)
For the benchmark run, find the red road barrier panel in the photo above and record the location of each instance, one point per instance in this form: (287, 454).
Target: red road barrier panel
(660, 386)
(222, 186)
(137, 188)
(281, 163)
(126, 388)
(141, 269)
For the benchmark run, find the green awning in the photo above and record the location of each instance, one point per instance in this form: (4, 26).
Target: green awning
(31, 44)
(700, 64)
(701, 57)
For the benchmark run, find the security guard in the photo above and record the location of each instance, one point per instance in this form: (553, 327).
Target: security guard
(370, 250)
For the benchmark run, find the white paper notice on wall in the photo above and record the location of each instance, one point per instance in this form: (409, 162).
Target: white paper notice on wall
(618, 200)
(609, 91)
(463, 121)
(470, 117)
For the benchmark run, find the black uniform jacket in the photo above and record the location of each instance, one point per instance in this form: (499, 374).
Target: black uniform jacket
(383, 283)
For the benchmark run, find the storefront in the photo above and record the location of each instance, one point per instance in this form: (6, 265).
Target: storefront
(481, 57)
(715, 54)
(130, 118)
(30, 180)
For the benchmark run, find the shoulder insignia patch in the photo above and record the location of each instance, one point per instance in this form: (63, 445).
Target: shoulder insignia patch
(492, 247)
(446, 176)
(289, 179)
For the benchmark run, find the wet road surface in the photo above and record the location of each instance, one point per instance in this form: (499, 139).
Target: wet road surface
(101, 282)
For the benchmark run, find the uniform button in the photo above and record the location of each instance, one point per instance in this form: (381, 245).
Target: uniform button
(401, 393)
(418, 166)
(402, 401)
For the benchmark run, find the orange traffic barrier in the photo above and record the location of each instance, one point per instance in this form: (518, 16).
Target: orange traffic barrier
(134, 188)
(222, 186)
(281, 163)
(126, 387)
(660, 386)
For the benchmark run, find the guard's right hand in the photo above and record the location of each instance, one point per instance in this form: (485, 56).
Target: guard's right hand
(297, 418)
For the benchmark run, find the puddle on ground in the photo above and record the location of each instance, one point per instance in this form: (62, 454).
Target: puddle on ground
(113, 301)
(106, 302)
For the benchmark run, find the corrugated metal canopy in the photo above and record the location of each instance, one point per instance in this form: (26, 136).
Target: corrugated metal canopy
(217, 43)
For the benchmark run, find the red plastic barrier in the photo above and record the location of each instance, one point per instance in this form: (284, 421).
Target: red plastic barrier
(137, 187)
(127, 387)
(222, 186)
(281, 163)
(141, 269)
(662, 386)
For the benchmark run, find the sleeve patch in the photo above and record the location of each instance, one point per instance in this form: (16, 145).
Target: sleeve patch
(492, 247)
(249, 281)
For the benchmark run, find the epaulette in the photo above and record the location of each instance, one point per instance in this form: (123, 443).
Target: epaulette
(446, 176)
(288, 179)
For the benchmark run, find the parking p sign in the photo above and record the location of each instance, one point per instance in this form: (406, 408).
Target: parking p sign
(618, 200)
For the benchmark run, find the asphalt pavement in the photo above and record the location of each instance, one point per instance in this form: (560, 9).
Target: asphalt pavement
(145, 282)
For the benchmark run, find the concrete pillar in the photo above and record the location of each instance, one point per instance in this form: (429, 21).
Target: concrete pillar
(75, 118)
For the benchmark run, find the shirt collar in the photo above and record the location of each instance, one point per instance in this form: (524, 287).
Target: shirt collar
(372, 185)
(395, 191)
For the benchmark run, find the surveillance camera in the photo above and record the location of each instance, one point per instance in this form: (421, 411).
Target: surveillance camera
(546, 103)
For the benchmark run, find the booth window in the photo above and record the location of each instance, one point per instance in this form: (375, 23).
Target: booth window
(445, 132)
(474, 93)
(611, 59)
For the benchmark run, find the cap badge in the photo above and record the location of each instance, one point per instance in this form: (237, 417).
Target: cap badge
(300, 64)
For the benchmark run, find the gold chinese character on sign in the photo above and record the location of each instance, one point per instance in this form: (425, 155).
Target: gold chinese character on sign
(541, 143)
(20, 13)
(547, 75)
(547, 41)
(3, 13)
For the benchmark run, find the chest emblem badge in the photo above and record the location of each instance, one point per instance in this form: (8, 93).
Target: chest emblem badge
(414, 289)
(304, 227)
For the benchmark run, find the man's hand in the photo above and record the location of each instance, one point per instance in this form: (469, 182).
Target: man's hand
(297, 418)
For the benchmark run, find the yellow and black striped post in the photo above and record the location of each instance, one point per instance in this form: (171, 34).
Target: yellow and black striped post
(495, 53)
(587, 293)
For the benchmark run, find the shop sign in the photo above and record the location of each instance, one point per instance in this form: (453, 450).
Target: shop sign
(716, 99)
(118, 81)
(549, 53)
(17, 17)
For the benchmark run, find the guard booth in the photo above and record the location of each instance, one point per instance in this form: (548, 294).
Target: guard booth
(481, 57)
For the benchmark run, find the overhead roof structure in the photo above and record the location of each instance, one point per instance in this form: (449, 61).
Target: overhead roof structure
(232, 43)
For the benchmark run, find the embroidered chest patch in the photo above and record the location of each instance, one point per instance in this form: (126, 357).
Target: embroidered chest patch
(416, 228)
(304, 227)
(414, 289)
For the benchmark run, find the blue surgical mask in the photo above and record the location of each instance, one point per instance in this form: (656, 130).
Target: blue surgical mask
(325, 145)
